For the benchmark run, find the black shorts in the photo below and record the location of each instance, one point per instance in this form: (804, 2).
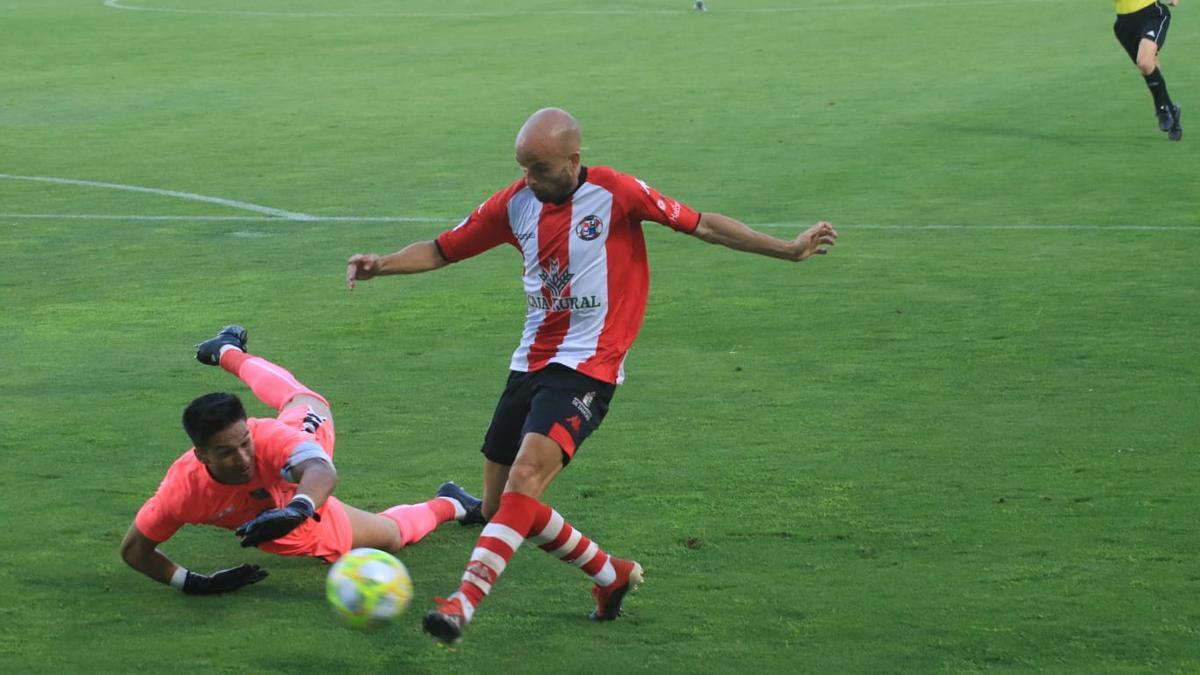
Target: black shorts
(1150, 23)
(555, 401)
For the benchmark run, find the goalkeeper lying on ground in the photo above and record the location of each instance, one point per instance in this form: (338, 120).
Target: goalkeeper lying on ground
(269, 480)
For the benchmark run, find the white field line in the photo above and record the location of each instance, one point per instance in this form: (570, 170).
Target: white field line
(245, 206)
(450, 221)
(684, 9)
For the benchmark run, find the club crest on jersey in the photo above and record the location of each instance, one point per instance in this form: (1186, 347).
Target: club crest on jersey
(589, 228)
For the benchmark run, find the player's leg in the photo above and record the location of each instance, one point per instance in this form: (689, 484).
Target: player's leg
(272, 384)
(613, 577)
(565, 408)
(406, 524)
(501, 445)
(565, 413)
(503, 437)
(522, 516)
(373, 530)
(538, 462)
(343, 527)
(495, 476)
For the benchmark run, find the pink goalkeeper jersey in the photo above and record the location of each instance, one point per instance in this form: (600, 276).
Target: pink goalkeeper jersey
(188, 495)
(586, 276)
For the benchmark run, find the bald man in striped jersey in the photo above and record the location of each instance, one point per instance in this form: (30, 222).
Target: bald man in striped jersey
(579, 232)
(1141, 28)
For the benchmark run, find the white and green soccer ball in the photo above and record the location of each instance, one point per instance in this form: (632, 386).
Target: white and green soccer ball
(368, 587)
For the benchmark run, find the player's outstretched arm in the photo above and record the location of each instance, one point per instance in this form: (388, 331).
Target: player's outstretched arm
(316, 480)
(141, 553)
(422, 256)
(718, 229)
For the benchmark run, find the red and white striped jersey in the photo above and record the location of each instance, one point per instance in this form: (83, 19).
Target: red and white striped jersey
(585, 273)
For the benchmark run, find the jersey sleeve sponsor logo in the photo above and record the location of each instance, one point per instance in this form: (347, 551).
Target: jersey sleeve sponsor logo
(591, 227)
(670, 208)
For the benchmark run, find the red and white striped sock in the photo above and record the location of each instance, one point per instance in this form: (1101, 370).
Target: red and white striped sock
(500, 539)
(272, 384)
(555, 536)
(518, 517)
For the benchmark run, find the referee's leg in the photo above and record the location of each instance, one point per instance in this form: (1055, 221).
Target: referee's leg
(1147, 56)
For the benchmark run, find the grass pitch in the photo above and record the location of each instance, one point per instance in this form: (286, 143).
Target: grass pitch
(965, 441)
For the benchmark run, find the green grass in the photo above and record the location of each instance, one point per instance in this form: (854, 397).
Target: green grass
(936, 450)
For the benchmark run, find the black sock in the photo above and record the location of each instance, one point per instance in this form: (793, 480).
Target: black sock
(1158, 89)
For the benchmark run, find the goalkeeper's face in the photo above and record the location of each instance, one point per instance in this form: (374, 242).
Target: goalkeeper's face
(229, 454)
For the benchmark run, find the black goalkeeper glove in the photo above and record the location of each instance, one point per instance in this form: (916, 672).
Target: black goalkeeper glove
(274, 523)
(223, 581)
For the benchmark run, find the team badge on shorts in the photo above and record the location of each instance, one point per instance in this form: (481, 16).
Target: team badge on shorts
(589, 228)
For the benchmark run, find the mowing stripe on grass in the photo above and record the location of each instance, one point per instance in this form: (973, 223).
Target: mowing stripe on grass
(450, 221)
(271, 214)
(121, 4)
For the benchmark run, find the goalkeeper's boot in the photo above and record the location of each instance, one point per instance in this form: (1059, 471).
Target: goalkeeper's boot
(473, 506)
(1166, 118)
(1176, 132)
(447, 622)
(209, 351)
(609, 598)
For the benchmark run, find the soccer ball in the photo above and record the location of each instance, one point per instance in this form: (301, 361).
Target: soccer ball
(368, 587)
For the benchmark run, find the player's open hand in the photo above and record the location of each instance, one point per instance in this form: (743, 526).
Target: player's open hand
(274, 523)
(223, 581)
(816, 240)
(360, 267)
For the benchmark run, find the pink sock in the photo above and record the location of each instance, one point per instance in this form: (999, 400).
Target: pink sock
(418, 520)
(272, 384)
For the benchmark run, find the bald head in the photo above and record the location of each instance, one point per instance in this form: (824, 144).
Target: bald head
(548, 150)
(549, 129)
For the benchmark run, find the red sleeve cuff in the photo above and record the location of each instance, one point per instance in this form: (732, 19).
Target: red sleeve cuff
(441, 242)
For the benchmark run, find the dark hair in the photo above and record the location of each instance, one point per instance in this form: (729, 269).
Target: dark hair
(208, 415)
